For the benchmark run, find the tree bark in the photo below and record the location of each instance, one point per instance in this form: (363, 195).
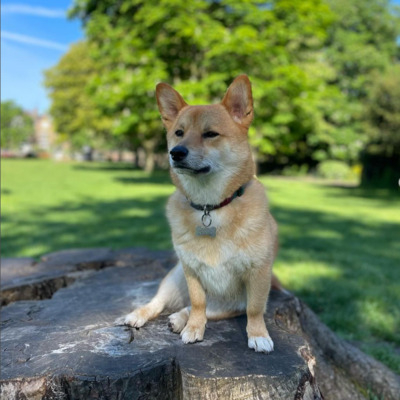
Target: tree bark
(342, 370)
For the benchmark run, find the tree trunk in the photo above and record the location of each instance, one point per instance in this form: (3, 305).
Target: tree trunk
(342, 370)
(149, 148)
(150, 162)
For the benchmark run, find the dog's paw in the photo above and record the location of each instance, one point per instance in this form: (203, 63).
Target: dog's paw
(261, 344)
(177, 321)
(136, 319)
(192, 333)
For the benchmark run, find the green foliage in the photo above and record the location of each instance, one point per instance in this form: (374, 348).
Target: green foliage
(295, 170)
(75, 117)
(361, 45)
(332, 169)
(384, 111)
(363, 42)
(313, 65)
(16, 126)
(199, 47)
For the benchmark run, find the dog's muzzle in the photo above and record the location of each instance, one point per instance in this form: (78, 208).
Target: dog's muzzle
(180, 162)
(179, 153)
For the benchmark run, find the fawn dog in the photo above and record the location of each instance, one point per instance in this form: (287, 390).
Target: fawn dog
(222, 230)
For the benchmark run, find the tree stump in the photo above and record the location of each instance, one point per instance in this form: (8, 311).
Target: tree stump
(59, 340)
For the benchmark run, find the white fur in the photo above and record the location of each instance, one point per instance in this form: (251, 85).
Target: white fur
(223, 167)
(177, 321)
(222, 281)
(135, 320)
(192, 334)
(261, 344)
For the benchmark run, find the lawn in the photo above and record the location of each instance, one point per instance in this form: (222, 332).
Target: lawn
(339, 247)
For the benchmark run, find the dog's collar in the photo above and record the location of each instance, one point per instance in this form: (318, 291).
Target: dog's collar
(210, 207)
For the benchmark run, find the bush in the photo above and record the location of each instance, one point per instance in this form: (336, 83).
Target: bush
(332, 169)
(295, 170)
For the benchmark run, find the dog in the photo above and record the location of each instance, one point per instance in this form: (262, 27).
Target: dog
(222, 230)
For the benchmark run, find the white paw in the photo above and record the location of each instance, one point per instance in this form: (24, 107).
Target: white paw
(261, 344)
(191, 334)
(135, 319)
(177, 321)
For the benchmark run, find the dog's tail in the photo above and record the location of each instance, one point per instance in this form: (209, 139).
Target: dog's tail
(275, 283)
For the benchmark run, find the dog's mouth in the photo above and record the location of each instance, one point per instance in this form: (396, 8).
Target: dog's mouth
(184, 169)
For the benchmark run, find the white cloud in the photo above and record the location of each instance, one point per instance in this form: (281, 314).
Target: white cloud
(32, 10)
(16, 37)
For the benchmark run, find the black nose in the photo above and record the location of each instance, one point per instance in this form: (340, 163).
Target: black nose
(178, 153)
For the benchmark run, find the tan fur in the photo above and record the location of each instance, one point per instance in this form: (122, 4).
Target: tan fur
(231, 273)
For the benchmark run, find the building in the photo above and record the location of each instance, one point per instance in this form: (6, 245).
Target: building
(44, 134)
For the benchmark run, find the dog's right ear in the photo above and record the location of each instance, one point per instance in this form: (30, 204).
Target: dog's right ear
(170, 102)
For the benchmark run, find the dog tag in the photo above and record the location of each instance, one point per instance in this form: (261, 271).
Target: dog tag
(206, 231)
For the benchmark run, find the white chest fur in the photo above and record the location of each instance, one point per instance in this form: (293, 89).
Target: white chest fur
(220, 270)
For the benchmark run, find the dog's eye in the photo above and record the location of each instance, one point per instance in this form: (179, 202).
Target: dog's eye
(210, 134)
(179, 133)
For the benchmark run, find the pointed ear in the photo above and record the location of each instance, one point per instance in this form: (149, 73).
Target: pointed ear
(238, 100)
(170, 102)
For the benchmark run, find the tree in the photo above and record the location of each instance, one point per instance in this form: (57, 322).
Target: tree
(16, 126)
(75, 116)
(381, 157)
(312, 63)
(361, 45)
(199, 46)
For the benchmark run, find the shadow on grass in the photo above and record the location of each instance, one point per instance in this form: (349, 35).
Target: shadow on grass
(367, 193)
(112, 167)
(159, 179)
(135, 176)
(360, 291)
(116, 224)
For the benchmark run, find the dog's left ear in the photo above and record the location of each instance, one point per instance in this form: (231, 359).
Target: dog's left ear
(238, 100)
(170, 102)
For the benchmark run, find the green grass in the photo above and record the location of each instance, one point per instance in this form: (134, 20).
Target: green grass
(50, 206)
(339, 247)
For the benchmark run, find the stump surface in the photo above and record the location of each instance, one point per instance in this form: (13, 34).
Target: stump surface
(67, 346)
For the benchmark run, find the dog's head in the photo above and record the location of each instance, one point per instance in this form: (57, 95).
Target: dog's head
(208, 145)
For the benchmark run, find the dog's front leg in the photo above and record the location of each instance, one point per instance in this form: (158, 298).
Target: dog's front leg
(258, 284)
(194, 329)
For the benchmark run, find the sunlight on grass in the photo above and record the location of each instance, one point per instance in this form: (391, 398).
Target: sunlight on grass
(381, 322)
(308, 270)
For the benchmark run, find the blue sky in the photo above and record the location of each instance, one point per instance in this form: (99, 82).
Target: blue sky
(34, 35)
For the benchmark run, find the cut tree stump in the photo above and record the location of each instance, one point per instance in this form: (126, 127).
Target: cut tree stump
(59, 340)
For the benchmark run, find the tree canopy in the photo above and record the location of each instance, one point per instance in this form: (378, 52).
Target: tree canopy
(16, 126)
(313, 65)
(75, 115)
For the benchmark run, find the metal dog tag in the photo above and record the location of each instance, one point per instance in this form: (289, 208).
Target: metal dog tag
(206, 231)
